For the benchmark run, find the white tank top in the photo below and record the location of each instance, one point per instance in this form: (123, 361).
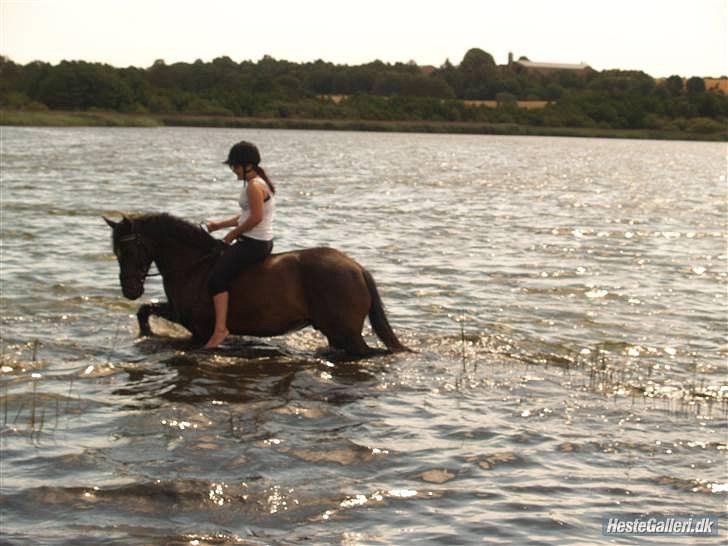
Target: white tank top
(264, 230)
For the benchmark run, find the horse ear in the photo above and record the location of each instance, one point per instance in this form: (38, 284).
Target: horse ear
(111, 223)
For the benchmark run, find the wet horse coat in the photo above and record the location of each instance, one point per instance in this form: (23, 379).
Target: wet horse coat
(321, 287)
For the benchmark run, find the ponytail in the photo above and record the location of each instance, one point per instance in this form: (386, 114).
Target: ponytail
(261, 172)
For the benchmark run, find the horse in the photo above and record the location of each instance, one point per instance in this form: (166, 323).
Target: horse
(321, 287)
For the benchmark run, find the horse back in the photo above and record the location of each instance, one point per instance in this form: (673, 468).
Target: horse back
(295, 288)
(299, 270)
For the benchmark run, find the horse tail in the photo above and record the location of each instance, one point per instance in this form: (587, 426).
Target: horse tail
(378, 318)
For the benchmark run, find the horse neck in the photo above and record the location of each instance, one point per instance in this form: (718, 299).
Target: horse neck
(173, 255)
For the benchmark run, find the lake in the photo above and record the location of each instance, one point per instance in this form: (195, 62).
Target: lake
(566, 299)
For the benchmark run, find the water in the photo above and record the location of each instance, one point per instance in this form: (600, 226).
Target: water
(567, 299)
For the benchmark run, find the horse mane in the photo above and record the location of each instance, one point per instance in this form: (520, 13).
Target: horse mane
(171, 227)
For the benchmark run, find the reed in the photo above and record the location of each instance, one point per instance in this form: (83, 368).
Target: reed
(462, 341)
(33, 400)
(32, 403)
(5, 406)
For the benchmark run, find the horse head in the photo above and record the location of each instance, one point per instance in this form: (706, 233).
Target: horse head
(134, 252)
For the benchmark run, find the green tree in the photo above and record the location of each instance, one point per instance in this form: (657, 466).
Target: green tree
(80, 85)
(289, 86)
(674, 85)
(695, 86)
(478, 74)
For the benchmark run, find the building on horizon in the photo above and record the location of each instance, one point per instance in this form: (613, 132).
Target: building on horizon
(523, 63)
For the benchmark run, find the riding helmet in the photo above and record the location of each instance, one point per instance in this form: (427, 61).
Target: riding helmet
(243, 153)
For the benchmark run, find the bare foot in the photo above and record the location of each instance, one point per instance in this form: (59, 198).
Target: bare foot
(218, 336)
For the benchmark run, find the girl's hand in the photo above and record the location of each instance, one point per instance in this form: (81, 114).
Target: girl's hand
(229, 238)
(212, 226)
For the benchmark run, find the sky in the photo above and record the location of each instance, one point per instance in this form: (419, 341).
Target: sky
(659, 37)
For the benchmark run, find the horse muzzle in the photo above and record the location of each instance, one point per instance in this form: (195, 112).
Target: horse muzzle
(132, 287)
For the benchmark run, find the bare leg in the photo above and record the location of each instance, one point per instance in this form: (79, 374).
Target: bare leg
(220, 301)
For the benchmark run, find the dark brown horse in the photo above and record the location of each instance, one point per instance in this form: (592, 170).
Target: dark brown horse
(321, 287)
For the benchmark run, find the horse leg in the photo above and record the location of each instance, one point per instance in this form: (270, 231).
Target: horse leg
(333, 343)
(146, 310)
(342, 321)
(355, 346)
(350, 341)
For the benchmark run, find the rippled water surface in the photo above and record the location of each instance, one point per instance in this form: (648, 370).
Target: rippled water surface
(566, 297)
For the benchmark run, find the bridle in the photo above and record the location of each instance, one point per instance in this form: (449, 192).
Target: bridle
(137, 238)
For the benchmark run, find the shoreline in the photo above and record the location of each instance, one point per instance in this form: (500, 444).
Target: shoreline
(55, 118)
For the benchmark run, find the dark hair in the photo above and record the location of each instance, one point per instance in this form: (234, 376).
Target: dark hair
(261, 172)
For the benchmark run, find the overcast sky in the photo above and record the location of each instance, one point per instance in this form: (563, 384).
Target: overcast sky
(660, 37)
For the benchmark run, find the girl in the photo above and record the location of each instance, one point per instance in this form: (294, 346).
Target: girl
(252, 231)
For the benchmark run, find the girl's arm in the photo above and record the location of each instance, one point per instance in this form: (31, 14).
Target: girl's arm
(228, 222)
(255, 215)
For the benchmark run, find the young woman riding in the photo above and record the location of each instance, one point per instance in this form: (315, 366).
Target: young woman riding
(251, 238)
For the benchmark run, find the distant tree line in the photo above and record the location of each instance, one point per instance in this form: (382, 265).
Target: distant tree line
(273, 88)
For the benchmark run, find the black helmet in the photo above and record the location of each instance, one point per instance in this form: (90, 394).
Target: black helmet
(243, 153)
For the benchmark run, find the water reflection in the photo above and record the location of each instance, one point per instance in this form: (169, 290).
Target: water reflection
(246, 372)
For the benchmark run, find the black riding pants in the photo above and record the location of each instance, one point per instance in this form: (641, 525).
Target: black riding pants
(244, 252)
